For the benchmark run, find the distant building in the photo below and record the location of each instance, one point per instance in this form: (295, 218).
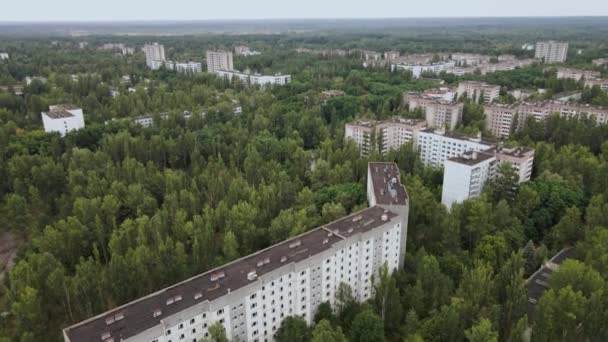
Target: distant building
(3, 56)
(540, 110)
(437, 145)
(384, 135)
(551, 51)
(418, 69)
(63, 119)
(250, 297)
(477, 91)
(155, 55)
(328, 94)
(188, 67)
(439, 112)
(600, 62)
(576, 74)
(392, 55)
(255, 79)
(522, 94)
(30, 79)
(243, 50)
(219, 60)
(599, 82)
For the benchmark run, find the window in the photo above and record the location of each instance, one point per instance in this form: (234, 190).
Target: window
(220, 311)
(192, 321)
(181, 326)
(168, 332)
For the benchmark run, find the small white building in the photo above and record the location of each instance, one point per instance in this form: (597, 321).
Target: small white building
(465, 176)
(3, 55)
(63, 119)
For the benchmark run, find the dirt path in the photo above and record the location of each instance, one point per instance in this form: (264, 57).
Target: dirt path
(9, 244)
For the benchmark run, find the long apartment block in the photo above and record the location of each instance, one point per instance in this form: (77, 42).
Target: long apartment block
(479, 91)
(503, 119)
(251, 296)
(383, 135)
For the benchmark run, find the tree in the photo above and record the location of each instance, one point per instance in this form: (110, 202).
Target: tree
(325, 312)
(387, 301)
(558, 315)
(367, 327)
(570, 229)
(482, 332)
(505, 184)
(217, 333)
(323, 332)
(293, 328)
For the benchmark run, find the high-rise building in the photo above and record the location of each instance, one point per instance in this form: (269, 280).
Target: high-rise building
(383, 135)
(576, 74)
(501, 119)
(437, 145)
(477, 91)
(155, 55)
(219, 60)
(63, 119)
(551, 51)
(466, 175)
(255, 79)
(251, 296)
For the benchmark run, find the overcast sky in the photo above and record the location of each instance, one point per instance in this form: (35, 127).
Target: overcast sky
(89, 10)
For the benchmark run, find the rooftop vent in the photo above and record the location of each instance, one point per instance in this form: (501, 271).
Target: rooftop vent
(198, 295)
(283, 258)
(217, 276)
(357, 218)
(325, 241)
(170, 301)
(384, 217)
(105, 336)
(157, 313)
(350, 230)
(252, 275)
(295, 244)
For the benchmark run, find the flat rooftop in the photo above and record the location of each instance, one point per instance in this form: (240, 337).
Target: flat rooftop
(387, 183)
(135, 317)
(539, 281)
(471, 158)
(454, 135)
(60, 111)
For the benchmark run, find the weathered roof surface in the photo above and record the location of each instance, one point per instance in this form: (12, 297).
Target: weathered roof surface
(539, 281)
(471, 158)
(387, 183)
(138, 315)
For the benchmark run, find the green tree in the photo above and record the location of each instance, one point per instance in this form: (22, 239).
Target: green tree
(323, 332)
(367, 327)
(293, 328)
(482, 332)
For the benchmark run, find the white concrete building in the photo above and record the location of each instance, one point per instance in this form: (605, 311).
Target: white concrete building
(219, 60)
(255, 79)
(601, 83)
(3, 56)
(418, 69)
(188, 67)
(155, 55)
(600, 62)
(474, 90)
(251, 296)
(436, 146)
(63, 119)
(551, 51)
(465, 176)
(242, 50)
(384, 135)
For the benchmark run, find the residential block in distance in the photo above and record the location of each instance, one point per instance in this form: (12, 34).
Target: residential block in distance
(63, 119)
(219, 60)
(551, 51)
(155, 55)
(389, 134)
(439, 112)
(477, 91)
(251, 296)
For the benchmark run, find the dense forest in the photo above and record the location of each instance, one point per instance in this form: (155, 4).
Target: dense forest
(116, 211)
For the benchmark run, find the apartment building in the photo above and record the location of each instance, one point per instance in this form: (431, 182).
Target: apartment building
(600, 61)
(242, 50)
(219, 60)
(465, 176)
(437, 145)
(384, 135)
(542, 109)
(438, 113)
(3, 56)
(63, 119)
(551, 51)
(251, 296)
(255, 79)
(601, 83)
(392, 55)
(501, 119)
(418, 69)
(155, 55)
(188, 67)
(477, 91)
(576, 74)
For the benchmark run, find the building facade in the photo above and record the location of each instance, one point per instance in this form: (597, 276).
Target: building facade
(551, 51)
(155, 55)
(63, 119)
(219, 60)
(255, 79)
(251, 296)
(3, 56)
(439, 106)
(479, 91)
(576, 74)
(501, 119)
(465, 176)
(383, 135)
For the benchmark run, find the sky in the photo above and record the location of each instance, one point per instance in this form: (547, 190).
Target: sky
(119, 10)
